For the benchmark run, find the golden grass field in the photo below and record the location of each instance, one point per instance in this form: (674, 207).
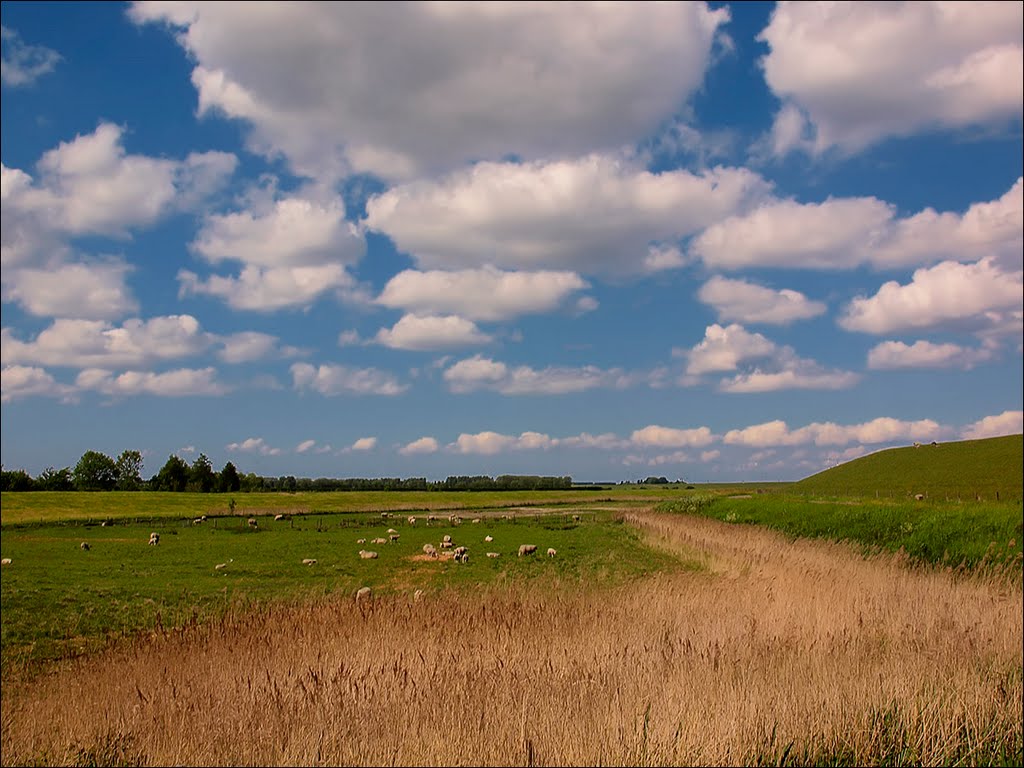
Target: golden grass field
(796, 651)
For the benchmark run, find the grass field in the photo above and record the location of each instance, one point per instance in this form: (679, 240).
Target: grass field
(56, 506)
(57, 598)
(936, 532)
(969, 470)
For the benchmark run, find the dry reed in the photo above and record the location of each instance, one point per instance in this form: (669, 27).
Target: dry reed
(796, 651)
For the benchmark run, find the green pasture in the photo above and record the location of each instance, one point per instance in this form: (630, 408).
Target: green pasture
(967, 470)
(80, 506)
(58, 599)
(937, 532)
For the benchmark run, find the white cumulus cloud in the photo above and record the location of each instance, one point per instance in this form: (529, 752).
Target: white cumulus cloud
(1005, 423)
(750, 303)
(925, 354)
(415, 332)
(421, 446)
(332, 380)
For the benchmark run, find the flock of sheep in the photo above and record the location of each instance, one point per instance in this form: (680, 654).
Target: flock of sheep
(459, 553)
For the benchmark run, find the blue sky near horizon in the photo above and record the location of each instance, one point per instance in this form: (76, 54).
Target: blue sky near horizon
(719, 242)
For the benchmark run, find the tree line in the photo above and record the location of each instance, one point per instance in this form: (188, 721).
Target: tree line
(96, 471)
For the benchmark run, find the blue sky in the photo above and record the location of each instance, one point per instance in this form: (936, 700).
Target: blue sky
(713, 242)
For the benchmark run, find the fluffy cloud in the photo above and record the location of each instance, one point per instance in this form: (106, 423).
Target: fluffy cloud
(421, 446)
(804, 374)
(880, 430)
(331, 380)
(861, 72)
(421, 333)
(724, 349)
(667, 437)
(311, 445)
(1006, 423)
(925, 354)
(254, 445)
(428, 86)
(21, 63)
(483, 373)
(94, 291)
(183, 382)
(843, 233)
(489, 443)
(18, 381)
(750, 303)
(946, 293)
(91, 343)
(486, 294)
(364, 444)
(290, 232)
(268, 289)
(595, 214)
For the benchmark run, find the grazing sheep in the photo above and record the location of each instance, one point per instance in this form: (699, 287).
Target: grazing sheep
(104, 524)
(552, 551)
(412, 521)
(463, 558)
(493, 554)
(367, 555)
(280, 517)
(527, 549)
(428, 549)
(460, 551)
(364, 593)
(222, 566)
(309, 561)
(252, 523)
(446, 537)
(203, 518)
(476, 519)
(919, 497)
(197, 521)
(446, 545)
(5, 561)
(383, 515)
(393, 537)
(455, 520)
(575, 518)
(85, 546)
(488, 538)
(360, 541)
(431, 518)
(392, 530)
(379, 540)
(154, 538)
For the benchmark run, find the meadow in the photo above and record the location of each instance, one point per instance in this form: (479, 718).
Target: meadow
(769, 651)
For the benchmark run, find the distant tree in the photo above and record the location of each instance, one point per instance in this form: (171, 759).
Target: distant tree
(173, 476)
(129, 471)
(16, 480)
(51, 479)
(201, 477)
(95, 471)
(229, 481)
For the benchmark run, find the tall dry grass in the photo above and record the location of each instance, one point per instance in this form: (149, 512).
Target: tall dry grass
(798, 651)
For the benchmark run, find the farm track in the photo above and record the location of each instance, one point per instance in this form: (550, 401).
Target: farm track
(802, 649)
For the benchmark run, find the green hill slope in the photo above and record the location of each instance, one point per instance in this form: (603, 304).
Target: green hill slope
(961, 470)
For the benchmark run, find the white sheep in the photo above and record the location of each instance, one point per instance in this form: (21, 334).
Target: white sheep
(309, 561)
(383, 515)
(429, 551)
(360, 541)
(447, 538)
(222, 566)
(446, 545)
(575, 518)
(476, 520)
(461, 555)
(197, 521)
(367, 555)
(412, 521)
(364, 593)
(488, 538)
(552, 551)
(527, 549)
(394, 537)
(85, 546)
(493, 554)
(280, 517)
(392, 530)
(154, 538)
(5, 561)
(379, 540)
(252, 523)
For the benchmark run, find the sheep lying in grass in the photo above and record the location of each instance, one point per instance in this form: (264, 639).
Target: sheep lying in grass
(85, 546)
(154, 538)
(391, 530)
(364, 593)
(379, 540)
(447, 538)
(527, 549)
(360, 541)
(488, 538)
(476, 520)
(446, 545)
(493, 554)
(309, 561)
(367, 555)
(552, 551)
(222, 566)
